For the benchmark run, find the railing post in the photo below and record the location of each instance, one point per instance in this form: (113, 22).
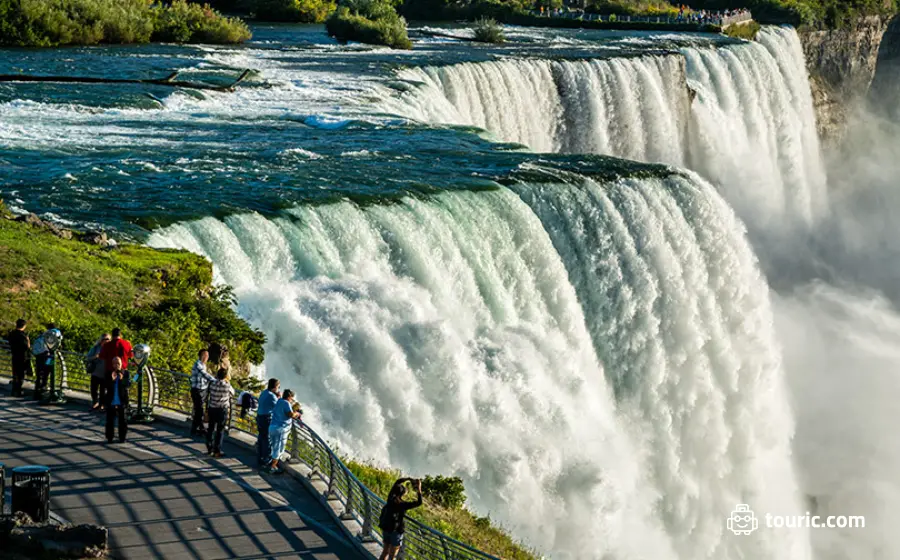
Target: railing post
(295, 445)
(230, 422)
(152, 389)
(366, 535)
(444, 547)
(347, 515)
(330, 492)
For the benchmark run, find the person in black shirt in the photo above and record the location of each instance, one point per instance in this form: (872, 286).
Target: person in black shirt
(393, 517)
(20, 348)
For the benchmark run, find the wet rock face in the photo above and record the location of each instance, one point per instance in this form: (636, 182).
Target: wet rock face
(20, 537)
(884, 93)
(34, 221)
(841, 64)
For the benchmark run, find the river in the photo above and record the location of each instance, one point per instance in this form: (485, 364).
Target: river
(459, 276)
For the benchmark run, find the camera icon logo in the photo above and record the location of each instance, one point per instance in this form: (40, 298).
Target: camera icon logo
(742, 520)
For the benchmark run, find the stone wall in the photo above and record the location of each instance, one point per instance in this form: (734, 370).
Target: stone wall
(841, 64)
(885, 90)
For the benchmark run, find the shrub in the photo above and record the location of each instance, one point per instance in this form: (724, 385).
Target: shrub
(447, 491)
(746, 31)
(181, 22)
(303, 11)
(368, 21)
(88, 22)
(487, 30)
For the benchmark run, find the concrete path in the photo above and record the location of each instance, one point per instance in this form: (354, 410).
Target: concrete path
(160, 495)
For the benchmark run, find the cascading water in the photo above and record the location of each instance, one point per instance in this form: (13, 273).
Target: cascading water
(466, 332)
(741, 116)
(595, 357)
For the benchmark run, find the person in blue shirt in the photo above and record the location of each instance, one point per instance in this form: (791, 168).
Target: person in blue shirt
(267, 401)
(116, 401)
(283, 417)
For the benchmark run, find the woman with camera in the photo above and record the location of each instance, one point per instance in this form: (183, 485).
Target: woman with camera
(393, 517)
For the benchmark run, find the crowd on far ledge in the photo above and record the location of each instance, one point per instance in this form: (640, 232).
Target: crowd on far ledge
(685, 15)
(212, 399)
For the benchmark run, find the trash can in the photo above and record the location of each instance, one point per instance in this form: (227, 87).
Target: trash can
(31, 492)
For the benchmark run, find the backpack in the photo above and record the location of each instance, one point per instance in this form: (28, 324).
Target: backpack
(388, 520)
(247, 402)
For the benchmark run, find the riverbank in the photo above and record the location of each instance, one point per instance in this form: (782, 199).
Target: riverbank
(52, 23)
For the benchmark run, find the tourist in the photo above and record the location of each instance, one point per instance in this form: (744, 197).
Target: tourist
(283, 417)
(392, 520)
(220, 394)
(117, 347)
(97, 370)
(200, 379)
(267, 401)
(117, 400)
(19, 347)
(43, 358)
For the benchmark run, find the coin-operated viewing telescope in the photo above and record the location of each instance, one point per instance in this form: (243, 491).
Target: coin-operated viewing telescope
(143, 414)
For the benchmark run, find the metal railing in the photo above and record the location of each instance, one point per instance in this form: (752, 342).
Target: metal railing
(170, 390)
(718, 20)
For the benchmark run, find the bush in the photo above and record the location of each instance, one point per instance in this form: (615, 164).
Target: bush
(632, 7)
(88, 22)
(303, 11)
(487, 30)
(447, 491)
(747, 31)
(368, 21)
(181, 22)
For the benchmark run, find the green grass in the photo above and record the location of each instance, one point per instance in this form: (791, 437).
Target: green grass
(164, 298)
(459, 523)
(746, 31)
(48, 23)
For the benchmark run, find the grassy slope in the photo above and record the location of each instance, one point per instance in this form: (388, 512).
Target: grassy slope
(163, 298)
(461, 524)
(746, 31)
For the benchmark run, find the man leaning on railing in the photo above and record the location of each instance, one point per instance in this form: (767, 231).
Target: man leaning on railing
(200, 380)
(267, 401)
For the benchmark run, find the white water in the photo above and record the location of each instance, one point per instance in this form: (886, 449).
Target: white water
(599, 362)
(750, 128)
(446, 336)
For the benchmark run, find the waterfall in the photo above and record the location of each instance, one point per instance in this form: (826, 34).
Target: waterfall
(595, 360)
(740, 115)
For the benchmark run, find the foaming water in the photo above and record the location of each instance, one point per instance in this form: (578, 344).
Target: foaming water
(740, 115)
(466, 332)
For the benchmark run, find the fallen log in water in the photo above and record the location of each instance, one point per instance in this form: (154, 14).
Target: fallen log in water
(168, 81)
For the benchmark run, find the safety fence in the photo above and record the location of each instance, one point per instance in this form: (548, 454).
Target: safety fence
(719, 20)
(170, 390)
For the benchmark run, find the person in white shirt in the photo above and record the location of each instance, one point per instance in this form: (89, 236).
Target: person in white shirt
(200, 379)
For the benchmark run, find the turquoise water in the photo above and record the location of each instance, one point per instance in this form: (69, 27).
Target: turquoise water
(457, 277)
(309, 126)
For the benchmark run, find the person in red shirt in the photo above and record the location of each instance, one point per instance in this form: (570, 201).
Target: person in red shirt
(118, 347)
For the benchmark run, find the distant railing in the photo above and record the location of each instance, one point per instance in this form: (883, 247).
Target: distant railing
(717, 20)
(170, 390)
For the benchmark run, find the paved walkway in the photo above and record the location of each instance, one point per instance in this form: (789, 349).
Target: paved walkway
(160, 495)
